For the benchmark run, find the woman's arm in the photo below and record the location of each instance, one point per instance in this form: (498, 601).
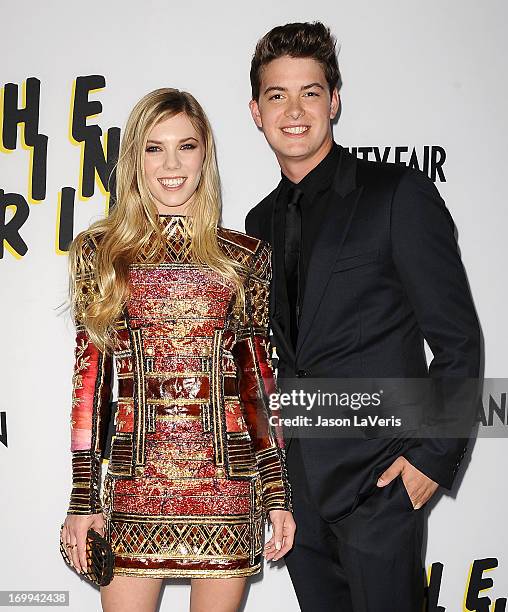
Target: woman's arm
(90, 400)
(257, 383)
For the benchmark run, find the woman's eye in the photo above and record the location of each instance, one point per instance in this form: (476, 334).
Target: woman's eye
(188, 146)
(151, 149)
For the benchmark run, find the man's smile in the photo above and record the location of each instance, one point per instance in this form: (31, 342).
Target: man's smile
(295, 130)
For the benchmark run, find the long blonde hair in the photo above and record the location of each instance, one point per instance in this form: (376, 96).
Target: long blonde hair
(132, 231)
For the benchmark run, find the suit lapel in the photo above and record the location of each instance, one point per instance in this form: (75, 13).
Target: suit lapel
(340, 209)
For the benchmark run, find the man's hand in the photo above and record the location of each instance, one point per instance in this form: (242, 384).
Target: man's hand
(419, 487)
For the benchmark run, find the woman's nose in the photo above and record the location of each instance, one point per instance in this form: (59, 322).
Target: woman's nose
(171, 161)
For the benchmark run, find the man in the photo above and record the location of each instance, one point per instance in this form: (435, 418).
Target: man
(365, 266)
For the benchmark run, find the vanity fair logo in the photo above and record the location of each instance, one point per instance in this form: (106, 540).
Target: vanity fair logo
(429, 159)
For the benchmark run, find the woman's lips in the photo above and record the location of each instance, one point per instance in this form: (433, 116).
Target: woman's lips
(173, 183)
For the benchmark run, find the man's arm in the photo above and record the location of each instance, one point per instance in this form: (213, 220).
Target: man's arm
(428, 262)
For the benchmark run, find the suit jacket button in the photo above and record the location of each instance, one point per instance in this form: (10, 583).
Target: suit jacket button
(301, 373)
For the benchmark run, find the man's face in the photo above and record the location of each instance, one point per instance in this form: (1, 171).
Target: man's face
(295, 108)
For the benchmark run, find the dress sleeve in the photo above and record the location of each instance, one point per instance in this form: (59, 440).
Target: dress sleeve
(91, 392)
(257, 384)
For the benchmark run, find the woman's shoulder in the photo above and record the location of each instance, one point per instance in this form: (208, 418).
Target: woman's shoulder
(254, 253)
(242, 242)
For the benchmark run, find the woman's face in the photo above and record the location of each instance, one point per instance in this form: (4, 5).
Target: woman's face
(173, 161)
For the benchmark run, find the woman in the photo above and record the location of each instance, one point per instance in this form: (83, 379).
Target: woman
(182, 306)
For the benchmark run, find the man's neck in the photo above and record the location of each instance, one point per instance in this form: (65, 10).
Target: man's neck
(296, 169)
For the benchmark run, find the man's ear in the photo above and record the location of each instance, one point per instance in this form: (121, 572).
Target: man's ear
(256, 115)
(334, 103)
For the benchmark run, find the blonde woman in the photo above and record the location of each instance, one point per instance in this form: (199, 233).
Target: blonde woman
(179, 306)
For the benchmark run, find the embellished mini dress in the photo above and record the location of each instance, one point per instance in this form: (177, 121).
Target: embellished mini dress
(197, 459)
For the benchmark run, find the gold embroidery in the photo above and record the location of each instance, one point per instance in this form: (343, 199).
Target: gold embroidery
(182, 494)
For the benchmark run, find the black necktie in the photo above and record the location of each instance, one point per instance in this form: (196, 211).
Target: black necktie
(292, 246)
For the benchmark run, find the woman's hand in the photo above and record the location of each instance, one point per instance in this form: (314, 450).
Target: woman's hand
(74, 533)
(283, 534)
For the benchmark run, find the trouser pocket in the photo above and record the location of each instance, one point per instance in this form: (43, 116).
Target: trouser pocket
(404, 494)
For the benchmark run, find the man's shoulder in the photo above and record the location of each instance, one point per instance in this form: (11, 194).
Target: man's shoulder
(409, 191)
(264, 206)
(389, 174)
(375, 172)
(257, 220)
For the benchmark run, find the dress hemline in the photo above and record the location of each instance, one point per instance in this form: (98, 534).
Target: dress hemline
(176, 573)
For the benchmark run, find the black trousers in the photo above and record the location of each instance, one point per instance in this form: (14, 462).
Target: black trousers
(368, 561)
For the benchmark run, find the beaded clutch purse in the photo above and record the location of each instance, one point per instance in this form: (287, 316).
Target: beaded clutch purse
(99, 558)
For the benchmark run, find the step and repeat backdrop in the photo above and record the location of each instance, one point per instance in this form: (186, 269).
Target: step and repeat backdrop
(424, 84)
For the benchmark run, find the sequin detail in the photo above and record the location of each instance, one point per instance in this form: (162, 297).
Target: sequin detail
(195, 464)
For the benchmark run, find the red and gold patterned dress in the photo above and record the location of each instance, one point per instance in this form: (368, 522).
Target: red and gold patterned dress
(195, 462)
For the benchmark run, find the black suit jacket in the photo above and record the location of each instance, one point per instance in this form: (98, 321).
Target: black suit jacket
(384, 274)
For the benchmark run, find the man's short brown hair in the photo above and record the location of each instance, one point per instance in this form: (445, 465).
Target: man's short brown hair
(312, 40)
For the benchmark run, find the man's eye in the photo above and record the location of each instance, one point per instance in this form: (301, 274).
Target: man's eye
(311, 93)
(275, 96)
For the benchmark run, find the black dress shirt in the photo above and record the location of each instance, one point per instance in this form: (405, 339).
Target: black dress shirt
(315, 186)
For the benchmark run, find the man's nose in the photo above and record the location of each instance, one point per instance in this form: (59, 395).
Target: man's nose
(295, 109)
